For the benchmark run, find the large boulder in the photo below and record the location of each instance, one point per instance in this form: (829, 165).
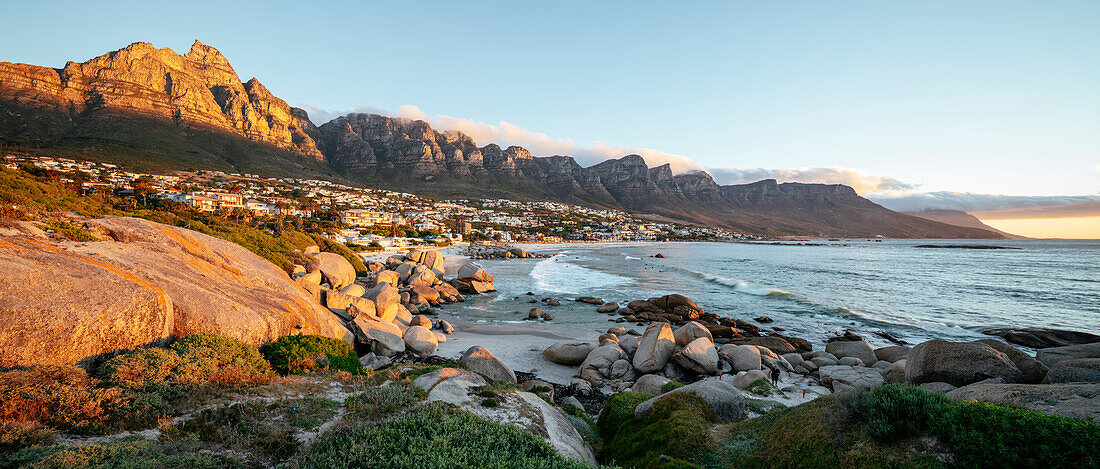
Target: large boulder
(67, 302)
(778, 345)
(892, 353)
(420, 339)
(336, 269)
(650, 384)
(433, 260)
(741, 357)
(1078, 400)
(387, 301)
(382, 338)
(387, 276)
(568, 353)
(850, 378)
(421, 294)
(691, 331)
(699, 356)
(471, 271)
(656, 348)
(727, 402)
(481, 361)
(596, 368)
(421, 276)
(1032, 369)
(1078, 370)
(1052, 355)
(958, 363)
(855, 348)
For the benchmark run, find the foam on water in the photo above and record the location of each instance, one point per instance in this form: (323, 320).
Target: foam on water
(555, 274)
(739, 286)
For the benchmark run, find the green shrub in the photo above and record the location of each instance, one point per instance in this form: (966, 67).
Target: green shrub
(490, 402)
(70, 230)
(433, 435)
(619, 411)
(131, 453)
(294, 354)
(677, 429)
(671, 386)
(384, 400)
(897, 411)
(197, 359)
(987, 435)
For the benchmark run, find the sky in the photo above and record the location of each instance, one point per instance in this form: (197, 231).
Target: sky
(986, 106)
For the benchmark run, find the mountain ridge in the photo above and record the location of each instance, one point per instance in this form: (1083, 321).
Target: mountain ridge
(198, 105)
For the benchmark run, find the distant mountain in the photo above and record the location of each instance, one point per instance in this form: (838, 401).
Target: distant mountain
(152, 107)
(961, 218)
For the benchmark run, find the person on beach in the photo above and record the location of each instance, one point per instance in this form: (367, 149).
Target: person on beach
(775, 376)
(804, 384)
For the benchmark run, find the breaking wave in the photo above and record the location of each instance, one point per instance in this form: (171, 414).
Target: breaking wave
(557, 275)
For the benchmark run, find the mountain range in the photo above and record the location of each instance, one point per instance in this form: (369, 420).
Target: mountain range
(152, 107)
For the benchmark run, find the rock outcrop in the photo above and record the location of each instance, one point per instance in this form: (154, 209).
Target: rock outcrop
(199, 89)
(67, 302)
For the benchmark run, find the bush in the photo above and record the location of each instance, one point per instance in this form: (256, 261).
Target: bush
(987, 435)
(671, 386)
(433, 435)
(618, 412)
(897, 411)
(15, 434)
(62, 397)
(197, 359)
(294, 354)
(677, 429)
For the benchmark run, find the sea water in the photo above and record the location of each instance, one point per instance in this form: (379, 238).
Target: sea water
(815, 291)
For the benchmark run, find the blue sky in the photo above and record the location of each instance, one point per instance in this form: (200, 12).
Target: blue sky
(979, 97)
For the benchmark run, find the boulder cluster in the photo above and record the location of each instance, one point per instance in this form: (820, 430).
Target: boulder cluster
(388, 310)
(497, 251)
(679, 310)
(685, 344)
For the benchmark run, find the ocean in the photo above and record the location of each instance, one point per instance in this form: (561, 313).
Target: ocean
(812, 291)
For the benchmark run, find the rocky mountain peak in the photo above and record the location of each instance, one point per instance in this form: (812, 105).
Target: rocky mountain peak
(198, 89)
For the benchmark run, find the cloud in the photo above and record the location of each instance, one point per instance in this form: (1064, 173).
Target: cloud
(994, 206)
(862, 181)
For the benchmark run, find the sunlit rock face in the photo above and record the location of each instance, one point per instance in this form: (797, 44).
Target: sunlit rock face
(197, 88)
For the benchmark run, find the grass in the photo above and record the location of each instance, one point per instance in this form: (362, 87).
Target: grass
(258, 427)
(433, 435)
(297, 354)
(761, 387)
(69, 230)
(383, 401)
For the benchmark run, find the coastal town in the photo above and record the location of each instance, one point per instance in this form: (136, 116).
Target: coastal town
(369, 217)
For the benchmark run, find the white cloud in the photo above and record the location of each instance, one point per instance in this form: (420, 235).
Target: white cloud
(862, 181)
(994, 205)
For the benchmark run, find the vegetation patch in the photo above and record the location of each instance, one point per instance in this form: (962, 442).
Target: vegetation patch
(265, 429)
(761, 387)
(676, 430)
(383, 401)
(131, 453)
(670, 386)
(297, 354)
(197, 359)
(433, 435)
